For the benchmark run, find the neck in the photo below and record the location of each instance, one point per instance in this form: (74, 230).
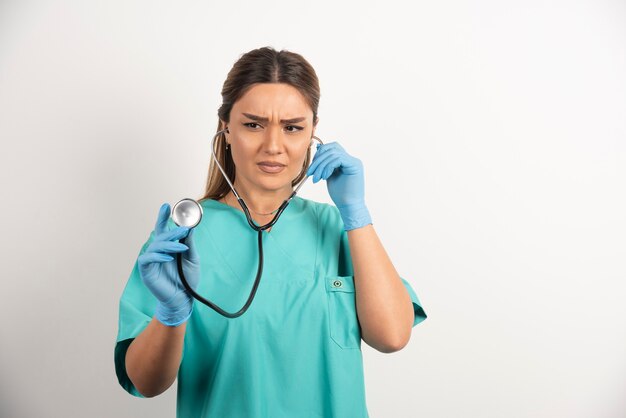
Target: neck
(262, 201)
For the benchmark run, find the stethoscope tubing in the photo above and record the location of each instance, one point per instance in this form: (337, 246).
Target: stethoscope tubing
(253, 225)
(210, 304)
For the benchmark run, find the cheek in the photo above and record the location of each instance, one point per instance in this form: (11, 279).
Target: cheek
(241, 156)
(299, 156)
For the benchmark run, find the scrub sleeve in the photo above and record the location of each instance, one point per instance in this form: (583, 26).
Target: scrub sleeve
(136, 309)
(296, 351)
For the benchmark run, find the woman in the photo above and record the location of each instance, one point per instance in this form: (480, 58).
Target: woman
(327, 282)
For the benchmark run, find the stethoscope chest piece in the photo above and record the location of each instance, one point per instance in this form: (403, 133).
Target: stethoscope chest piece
(187, 212)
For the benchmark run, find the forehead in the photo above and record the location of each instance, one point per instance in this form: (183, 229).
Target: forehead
(265, 99)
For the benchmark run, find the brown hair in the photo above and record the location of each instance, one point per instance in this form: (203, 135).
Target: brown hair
(262, 65)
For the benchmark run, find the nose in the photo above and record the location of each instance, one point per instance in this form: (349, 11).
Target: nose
(273, 143)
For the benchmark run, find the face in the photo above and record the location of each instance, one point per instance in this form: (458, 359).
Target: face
(272, 122)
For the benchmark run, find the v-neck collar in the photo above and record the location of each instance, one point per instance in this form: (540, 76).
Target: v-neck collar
(292, 239)
(287, 214)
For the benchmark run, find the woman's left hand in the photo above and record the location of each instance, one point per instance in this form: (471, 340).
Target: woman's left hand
(345, 182)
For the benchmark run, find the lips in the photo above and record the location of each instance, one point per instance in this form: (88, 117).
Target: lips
(271, 167)
(272, 163)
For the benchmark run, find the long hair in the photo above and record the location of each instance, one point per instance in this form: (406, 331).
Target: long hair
(262, 65)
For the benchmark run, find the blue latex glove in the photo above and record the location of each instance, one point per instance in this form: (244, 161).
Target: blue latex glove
(159, 273)
(345, 182)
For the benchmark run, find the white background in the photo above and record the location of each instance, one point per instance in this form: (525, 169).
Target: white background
(493, 139)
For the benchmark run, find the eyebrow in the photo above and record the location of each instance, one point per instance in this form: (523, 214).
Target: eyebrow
(262, 119)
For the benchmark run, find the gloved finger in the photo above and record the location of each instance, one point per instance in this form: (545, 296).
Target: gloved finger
(322, 161)
(331, 166)
(166, 247)
(351, 165)
(324, 170)
(317, 161)
(192, 255)
(173, 234)
(148, 258)
(327, 147)
(323, 149)
(164, 214)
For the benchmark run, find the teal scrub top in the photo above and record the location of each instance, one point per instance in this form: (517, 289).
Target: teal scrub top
(296, 352)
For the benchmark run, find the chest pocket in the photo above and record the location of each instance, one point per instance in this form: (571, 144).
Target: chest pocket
(344, 326)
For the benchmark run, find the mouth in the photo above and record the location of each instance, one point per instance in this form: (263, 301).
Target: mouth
(272, 168)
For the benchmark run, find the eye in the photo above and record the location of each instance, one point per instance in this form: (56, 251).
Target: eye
(249, 124)
(295, 128)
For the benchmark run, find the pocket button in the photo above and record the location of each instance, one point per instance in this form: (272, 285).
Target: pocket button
(343, 321)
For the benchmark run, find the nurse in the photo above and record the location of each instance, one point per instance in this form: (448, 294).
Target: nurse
(327, 282)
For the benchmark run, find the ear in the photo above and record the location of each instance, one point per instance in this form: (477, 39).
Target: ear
(317, 119)
(223, 125)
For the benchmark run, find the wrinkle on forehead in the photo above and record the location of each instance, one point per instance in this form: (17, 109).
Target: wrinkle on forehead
(274, 101)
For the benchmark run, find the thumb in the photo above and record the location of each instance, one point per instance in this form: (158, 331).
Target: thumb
(162, 219)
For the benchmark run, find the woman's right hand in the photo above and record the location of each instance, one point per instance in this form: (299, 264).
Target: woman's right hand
(159, 271)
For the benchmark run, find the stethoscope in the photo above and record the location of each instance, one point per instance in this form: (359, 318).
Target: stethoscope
(188, 212)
